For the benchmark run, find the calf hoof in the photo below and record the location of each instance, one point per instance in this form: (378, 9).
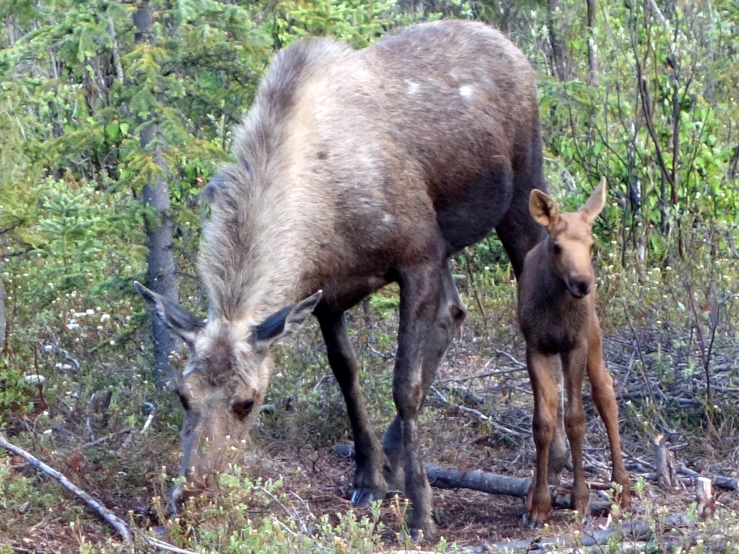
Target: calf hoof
(580, 504)
(623, 499)
(535, 519)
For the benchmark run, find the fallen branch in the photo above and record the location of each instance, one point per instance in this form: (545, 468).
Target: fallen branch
(485, 374)
(490, 483)
(106, 514)
(725, 483)
(161, 545)
(636, 531)
(477, 413)
(450, 478)
(106, 438)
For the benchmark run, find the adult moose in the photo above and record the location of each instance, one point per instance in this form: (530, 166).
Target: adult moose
(355, 169)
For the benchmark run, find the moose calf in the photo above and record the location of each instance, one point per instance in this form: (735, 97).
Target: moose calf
(556, 311)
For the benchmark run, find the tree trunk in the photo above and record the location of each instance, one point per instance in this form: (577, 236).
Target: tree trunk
(592, 47)
(2, 311)
(558, 59)
(159, 231)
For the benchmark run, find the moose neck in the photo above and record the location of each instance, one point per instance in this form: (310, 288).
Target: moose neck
(256, 251)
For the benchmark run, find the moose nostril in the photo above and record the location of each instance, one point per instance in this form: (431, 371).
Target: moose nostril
(583, 288)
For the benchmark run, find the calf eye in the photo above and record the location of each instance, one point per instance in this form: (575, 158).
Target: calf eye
(242, 408)
(556, 248)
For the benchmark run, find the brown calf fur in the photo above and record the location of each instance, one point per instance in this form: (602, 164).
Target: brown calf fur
(556, 312)
(355, 169)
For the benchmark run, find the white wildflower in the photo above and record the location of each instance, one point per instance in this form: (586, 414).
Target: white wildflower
(104, 318)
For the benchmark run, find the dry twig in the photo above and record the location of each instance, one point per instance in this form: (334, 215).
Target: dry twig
(106, 514)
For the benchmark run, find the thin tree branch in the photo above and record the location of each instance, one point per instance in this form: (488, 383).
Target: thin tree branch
(117, 523)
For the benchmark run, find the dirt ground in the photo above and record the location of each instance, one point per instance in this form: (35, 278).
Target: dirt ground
(322, 477)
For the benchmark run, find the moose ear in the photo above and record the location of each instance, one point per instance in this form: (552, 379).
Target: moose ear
(283, 322)
(594, 204)
(174, 316)
(543, 209)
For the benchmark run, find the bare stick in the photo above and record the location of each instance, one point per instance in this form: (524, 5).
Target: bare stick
(152, 411)
(106, 438)
(161, 545)
(106, 514)
(483, 375)
(704, 496)
(477, 413)
(664, 463)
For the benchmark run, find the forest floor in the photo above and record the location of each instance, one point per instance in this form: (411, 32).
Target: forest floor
(659, 390)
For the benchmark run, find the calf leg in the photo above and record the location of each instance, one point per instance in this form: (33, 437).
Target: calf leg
(558, 453)
(605, 401)
(573, 369)
(369, 483)
(545, 418)
(421, 290)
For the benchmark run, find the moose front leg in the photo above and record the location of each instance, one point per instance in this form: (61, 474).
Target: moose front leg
(369, 483)
(546, 397)
(559, 455)
(420, 294)
(605, 401)
(573, 369)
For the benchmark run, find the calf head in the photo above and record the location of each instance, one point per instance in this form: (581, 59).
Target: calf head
(570, 239)
(224, 383)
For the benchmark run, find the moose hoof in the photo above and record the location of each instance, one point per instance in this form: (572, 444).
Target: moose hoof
(534, 520)
(363, 498)
(417, 533)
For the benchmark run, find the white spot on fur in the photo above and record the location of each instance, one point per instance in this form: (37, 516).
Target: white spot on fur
(412, 88)
(387, 219)
(465, 91)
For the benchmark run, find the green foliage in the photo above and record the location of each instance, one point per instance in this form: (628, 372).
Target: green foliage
(224, 525)
(77, 90)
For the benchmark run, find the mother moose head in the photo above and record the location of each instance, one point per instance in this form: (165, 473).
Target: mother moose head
(224, 383)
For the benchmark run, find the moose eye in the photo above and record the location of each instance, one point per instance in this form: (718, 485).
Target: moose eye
(556, 248)
(242, 408)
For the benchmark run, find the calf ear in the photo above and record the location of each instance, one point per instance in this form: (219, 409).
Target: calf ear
(174, 316)
(543, 209)
(283, 323)
(594, 205)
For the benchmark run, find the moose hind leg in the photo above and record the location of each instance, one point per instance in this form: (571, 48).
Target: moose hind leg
(369, 483)
(573, 368)
(421, 291)
(448, 323)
